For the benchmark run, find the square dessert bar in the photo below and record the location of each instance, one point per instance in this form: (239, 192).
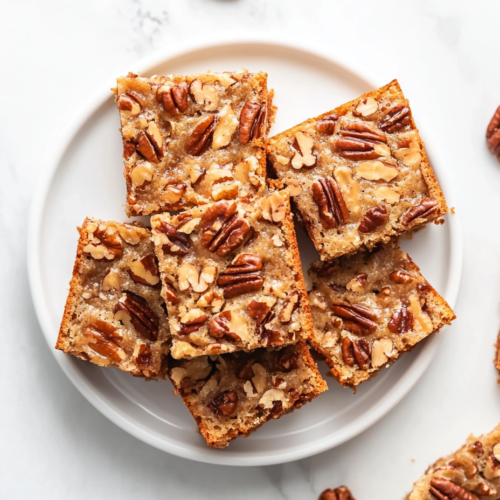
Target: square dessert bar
(471, 473)
(360, 173)
(369, 308)
(232, 276)
(233, 394)
(114, 314)
(190, 140)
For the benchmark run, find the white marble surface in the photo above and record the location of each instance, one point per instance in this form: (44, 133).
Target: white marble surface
(54, 53)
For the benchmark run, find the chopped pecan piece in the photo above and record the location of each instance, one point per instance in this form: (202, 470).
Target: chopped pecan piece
(144, 359)
(443, 489)
(286, 360)
(397, 119)
(331, 205)
(109, 244)
(358, 141)
(140, 315)
(401, 277)
(277, 407)
(145, 271)
(258, 311)
(219, 327)
(129, 104)
(340, 493)
(199, 139)
(128, 149)
(145, 148)
(251, 121)
(361, 350)
(289, 307)
(178, 243)
(192, 321)
(242, 276)
(222, 230)
(225, 404)
(170, 294)
(244, 371)
(327, 269)
(357, 314)
(105, 339)
(493, 134)
(421, 211)
(173, 99)
(401, 322)
(375, 217)
(327, 124)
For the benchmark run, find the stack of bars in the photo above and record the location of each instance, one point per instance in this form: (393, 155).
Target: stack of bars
(212, 294)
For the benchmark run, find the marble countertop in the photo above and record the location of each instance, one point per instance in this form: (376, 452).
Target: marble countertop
(54, 53)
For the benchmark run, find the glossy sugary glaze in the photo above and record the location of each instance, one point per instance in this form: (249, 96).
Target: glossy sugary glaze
(377, 165)
(109, 277)
(275, 312)
(192, 140)
(398, 309)
(471, 473)
(231, 395)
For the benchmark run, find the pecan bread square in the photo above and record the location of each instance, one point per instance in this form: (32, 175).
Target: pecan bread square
(369, 308)
(190, 140)
(114, 314)
(360, 173)
(471, 473)
(232, 276)
(231, 395)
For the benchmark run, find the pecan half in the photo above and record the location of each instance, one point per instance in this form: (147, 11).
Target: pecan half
(327, 124)
(402, 321)
(142, 318)
(358, 314)
(178, 243)
(219, 327)
(375, 217)
(493, 134)
(105, 339)
(397, 119)
(242, 276)
(286, 359)
(333, 211)
(443, 489)
(358, 141)
(225, 404)
(147, 270)
(251, 121)
(340, 493)
(357, 351)
(145, 148)
(222, 230)
(199, 139)
(174, 99)
(421, 211)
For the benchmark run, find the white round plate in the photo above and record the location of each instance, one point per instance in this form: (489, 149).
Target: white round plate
(84, 177)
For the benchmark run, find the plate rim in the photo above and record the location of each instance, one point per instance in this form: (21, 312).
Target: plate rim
(60, 146)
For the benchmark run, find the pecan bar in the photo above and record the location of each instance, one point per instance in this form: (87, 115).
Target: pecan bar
(232, 276)
(471, 473)
(190, 140)
(369, 308)
(360, 173)
(114, 314)
(233, 394)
